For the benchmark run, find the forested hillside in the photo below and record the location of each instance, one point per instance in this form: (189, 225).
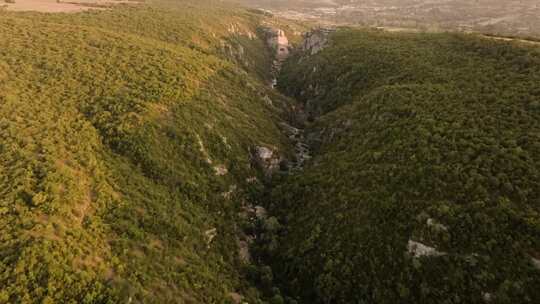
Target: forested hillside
(124, 152)
(146, 158)
(425, 185)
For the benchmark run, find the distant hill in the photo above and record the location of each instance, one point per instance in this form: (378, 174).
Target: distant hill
(499, 17)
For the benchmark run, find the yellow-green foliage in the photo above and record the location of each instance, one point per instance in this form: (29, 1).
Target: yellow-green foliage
(105, 188)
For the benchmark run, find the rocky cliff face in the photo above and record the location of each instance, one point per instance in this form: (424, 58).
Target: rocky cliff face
(278, 41)
(282, 45)
(316, 40)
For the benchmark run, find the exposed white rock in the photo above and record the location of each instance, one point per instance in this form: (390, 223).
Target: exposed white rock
(226, 142)
(264, 153)
(202, 149)
(210, 235)
(487, 297)
(316, 40)
(266, 159)
(221, 170)
(235, 29)
(418, 249)
(536, 263)
(260, 212)
(436, 225)
(268, 100)
(282, 45)
(277, 40)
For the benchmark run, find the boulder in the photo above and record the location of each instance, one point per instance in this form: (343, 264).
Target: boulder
(417, 250)
(487, 297)
(433, 224)
(210, 235)
(266, 159)
(260, 212)
(536, 263)
(220, 170)
(264, 153)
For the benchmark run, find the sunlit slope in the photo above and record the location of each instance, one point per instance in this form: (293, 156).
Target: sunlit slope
(121, 131)
(425, 187)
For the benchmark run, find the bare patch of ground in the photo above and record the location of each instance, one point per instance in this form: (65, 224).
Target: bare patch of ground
(56, 6)
(513, 39)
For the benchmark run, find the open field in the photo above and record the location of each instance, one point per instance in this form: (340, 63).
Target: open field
(55, 6)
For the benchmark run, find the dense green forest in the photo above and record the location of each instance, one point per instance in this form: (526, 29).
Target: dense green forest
(123, 133)
(425, 184)
(128, 170)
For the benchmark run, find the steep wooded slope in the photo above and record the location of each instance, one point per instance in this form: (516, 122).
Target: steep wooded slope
(425, 185)
(123, 133)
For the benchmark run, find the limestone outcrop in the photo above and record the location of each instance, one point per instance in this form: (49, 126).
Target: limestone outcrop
(417, 249)
(266, 159)
(316, 40)
(278, 41)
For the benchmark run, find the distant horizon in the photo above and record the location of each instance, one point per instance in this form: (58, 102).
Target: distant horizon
(496, 17)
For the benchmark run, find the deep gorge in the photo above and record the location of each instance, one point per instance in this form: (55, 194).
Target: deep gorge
(198, 152)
